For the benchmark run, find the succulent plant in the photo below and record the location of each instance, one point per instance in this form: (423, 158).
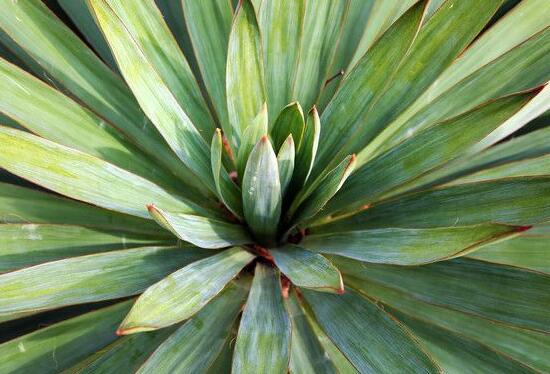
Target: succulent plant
(274, 186)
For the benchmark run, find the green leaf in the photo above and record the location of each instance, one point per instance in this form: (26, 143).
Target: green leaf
(369, 337)
(453, 353)
(502, 294)
(263, 341)
(253, 132)
(80, 176)
(381, 17)
(31, 244)
(52, 115)
(539, 166)
(285, 161)
(154, 41)
(194, 347)
(25, 205)
(408, 246)
(66, 61)
(90, 278)
(513, 201)
(228, 192)
(364, 83)
(245, 71)
(183, 293)
(307, 355)
(155, 94)
(307, 269)
(423, 152)
(59, 346)
(305, 155)
(526, 346)
(528, 251)
(289, 121)
(281, 29)
(80, 14)
(209, 24)
(200, 231)
(483, 72)
(125, 355)
(261, 189)
(358, 17)
(322, 24)
(310, 201)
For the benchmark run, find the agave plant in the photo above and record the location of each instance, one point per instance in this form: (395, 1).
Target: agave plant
(274, 185)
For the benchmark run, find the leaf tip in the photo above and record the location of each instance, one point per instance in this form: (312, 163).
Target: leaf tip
(523, 228)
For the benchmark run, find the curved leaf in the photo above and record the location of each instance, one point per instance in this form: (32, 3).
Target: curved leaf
(200, 231)
(285, 161)
(183, 293)
(307, 269)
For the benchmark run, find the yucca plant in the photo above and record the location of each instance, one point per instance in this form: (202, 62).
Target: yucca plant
(274, 185)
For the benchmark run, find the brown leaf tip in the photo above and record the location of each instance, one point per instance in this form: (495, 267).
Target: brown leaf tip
(264, 139)
(151, 208)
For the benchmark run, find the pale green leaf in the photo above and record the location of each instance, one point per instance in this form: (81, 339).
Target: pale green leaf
(322, 25)
(289, 121)
(285, 160)
(369, 337)
(281, 26)
(209, 24)
(253, 132)
(59, 346)
(155, 94)
(245, 72)
(407, 246)
(305, 155)
(194, 347)
(81, 176)
(90, 278)
(307, 269)
(261, 190)
(200, 231)
(263, 341)
(183, 293)
(152, 37)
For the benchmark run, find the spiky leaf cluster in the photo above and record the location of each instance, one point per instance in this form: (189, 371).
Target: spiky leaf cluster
(274, 186)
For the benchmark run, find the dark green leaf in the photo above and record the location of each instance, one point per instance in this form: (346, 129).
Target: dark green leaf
(290, 121)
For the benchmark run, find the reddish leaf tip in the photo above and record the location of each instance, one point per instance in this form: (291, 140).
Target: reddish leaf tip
(523, 228)
(151, 208)
(264, 139)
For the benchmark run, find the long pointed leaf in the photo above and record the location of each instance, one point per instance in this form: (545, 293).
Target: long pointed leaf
(307, 269)
(367, 335)
(154, 94)
(31, 244)
(195, 346)
(253, 132)
(184, 292)
(262, 191)
(245, 72)
(285, 160)
(263, 341)
(289, 121)
(90, 278)
(408, 246)
(80, 176)
(201, 231)
(57, 347)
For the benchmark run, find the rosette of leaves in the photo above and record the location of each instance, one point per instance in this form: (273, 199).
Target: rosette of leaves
(274, 185)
